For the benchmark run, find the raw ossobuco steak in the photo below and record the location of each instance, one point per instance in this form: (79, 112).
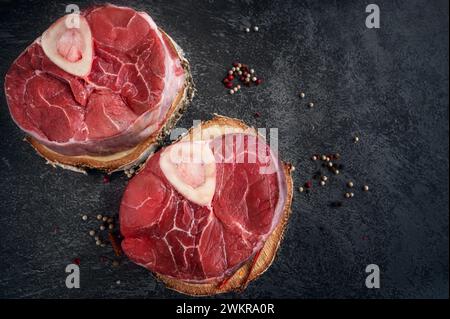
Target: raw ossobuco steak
(98, 89)
(202, 208)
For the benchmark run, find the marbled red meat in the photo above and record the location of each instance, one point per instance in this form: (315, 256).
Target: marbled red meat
(135, 77)
(170, 235)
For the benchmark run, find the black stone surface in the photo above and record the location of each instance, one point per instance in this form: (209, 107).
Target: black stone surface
(389, 86)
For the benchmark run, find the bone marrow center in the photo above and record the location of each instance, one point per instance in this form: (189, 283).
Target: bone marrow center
(70, 45)
(190, 167)
(192, 174)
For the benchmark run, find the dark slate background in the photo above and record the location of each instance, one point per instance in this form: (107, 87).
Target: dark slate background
(387, 85)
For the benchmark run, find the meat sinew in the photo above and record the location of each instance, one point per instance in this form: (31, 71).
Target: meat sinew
(100, 88)
(201, 209)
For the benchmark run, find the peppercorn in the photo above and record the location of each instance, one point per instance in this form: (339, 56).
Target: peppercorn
(350, 184)
(366, 188)
(76, 261)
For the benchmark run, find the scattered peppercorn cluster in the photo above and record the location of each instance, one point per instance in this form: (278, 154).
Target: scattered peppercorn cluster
(105, 232)
(255, 28)
(330, 163)
(302, 95)
(106, 223)
(243, 74)
(129, 172)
